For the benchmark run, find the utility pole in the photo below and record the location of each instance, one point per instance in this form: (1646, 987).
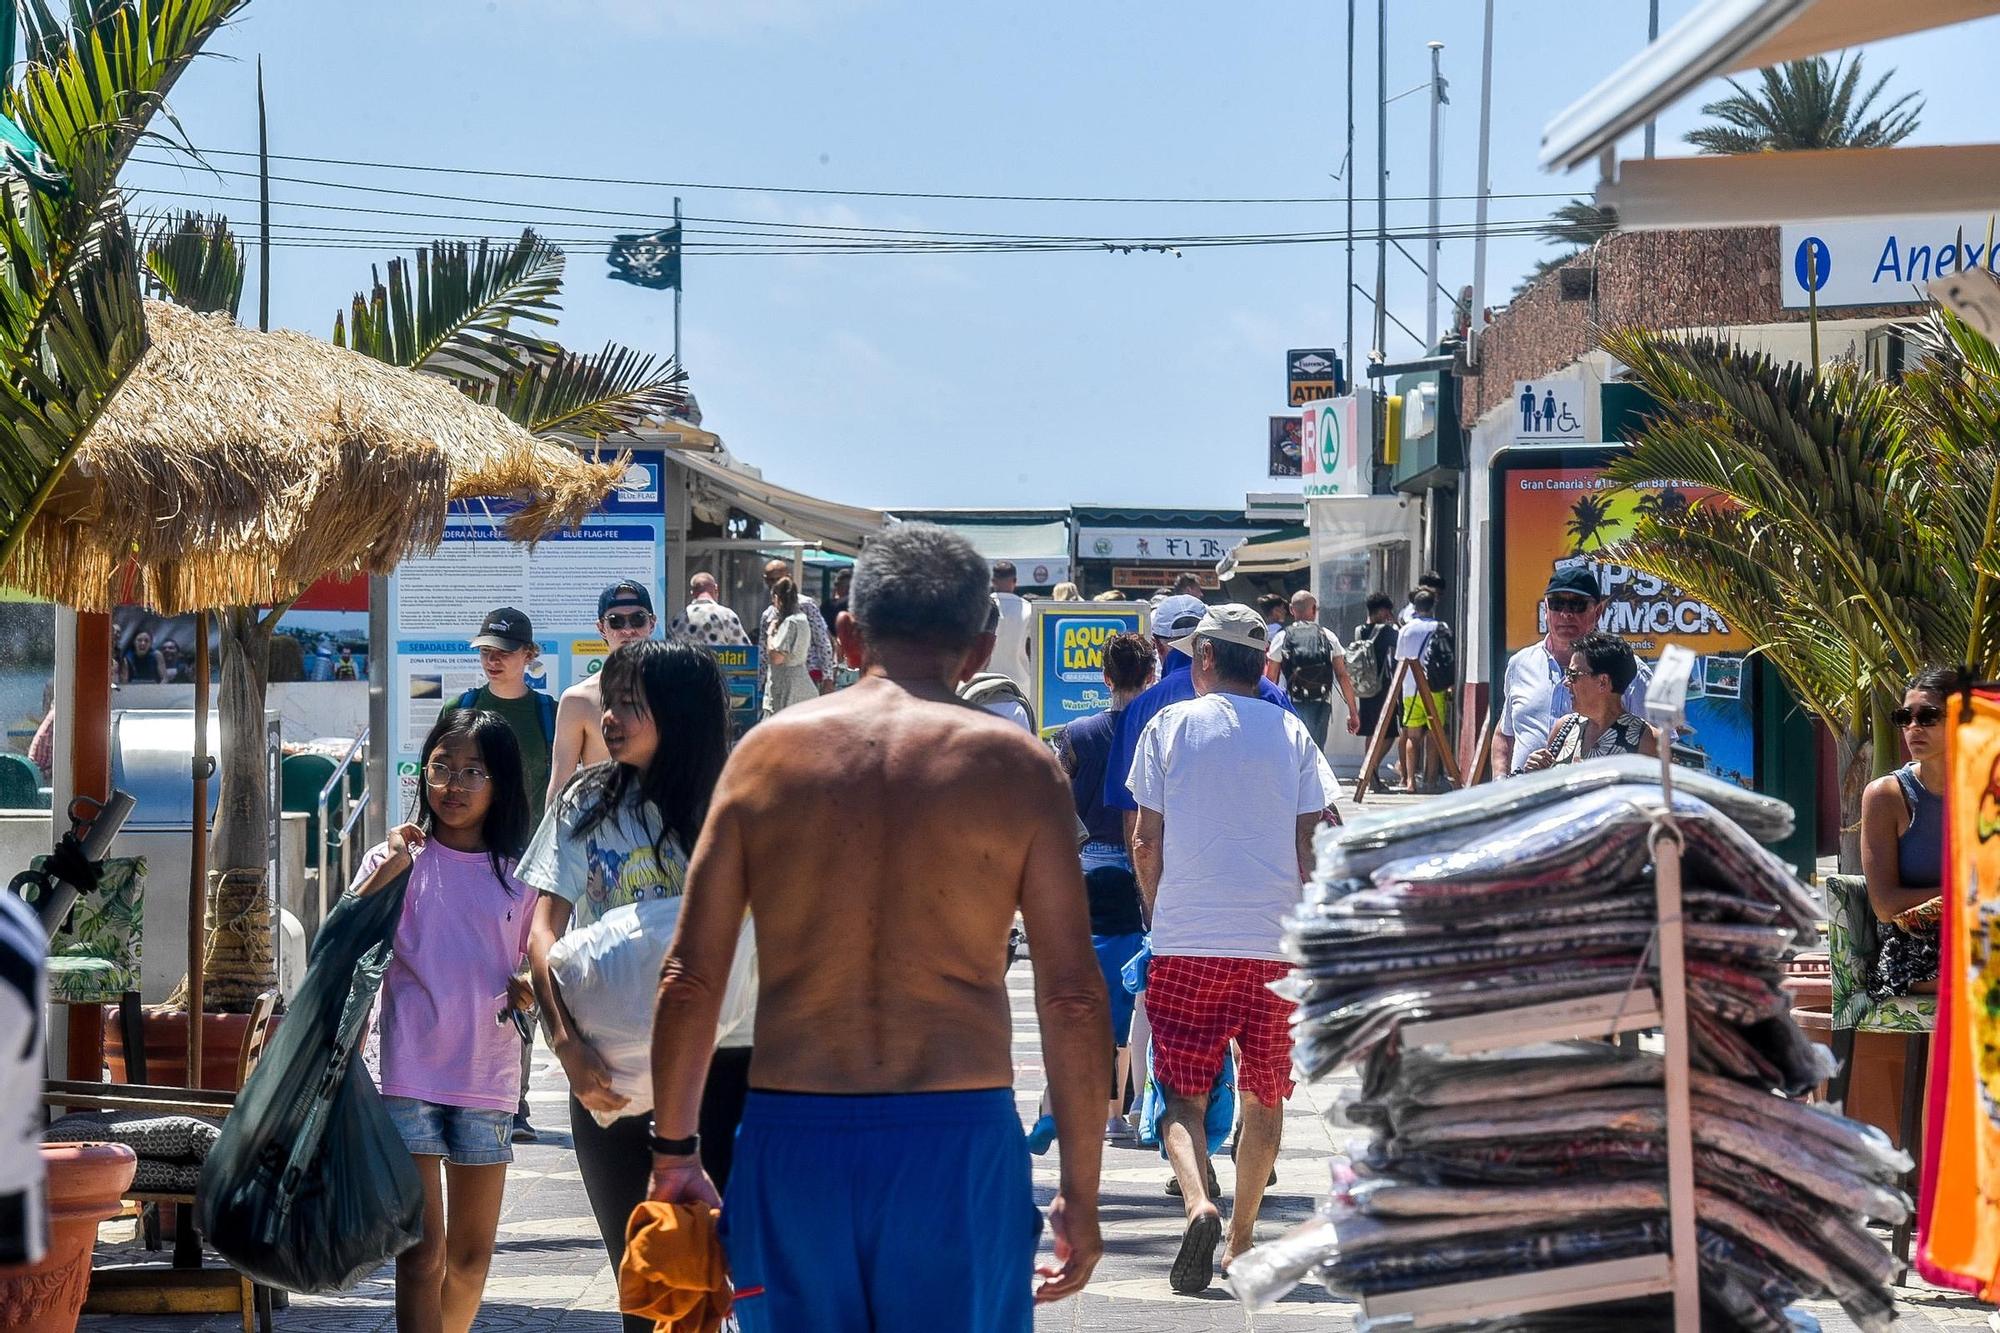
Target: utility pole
(1431, 269)
(263, 221)
(1652, 35)
(680, 280)
(1483, 187)
(1381, 350)
(1349, 173)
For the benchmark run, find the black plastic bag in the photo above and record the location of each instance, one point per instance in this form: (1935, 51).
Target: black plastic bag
(310, 1187)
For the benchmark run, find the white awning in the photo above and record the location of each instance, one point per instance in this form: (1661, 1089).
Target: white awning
(1353, 524)
(1039, 551)
(1722, 37)
(837, 527)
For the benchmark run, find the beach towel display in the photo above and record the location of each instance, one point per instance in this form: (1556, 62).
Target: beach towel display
(1959, 1240)
(1500, 1146)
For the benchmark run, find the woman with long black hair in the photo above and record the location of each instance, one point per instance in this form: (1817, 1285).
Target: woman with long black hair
(623, 831)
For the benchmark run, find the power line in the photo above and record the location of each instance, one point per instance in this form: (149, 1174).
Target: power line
(967, 196)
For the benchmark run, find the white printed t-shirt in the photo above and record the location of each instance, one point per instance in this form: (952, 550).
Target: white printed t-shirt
(1411, 640)
(1231, 775)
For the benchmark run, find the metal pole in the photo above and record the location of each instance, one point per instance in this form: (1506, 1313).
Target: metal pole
(680, 281)
(197, 914)
(1381, 178)
(1483, 187)
(1431, 269)
(1652, 35)
(1352, 374)
(263, 209)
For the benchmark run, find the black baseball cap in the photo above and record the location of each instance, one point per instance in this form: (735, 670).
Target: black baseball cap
(505, 629)
(1580, 580)
(624, 593)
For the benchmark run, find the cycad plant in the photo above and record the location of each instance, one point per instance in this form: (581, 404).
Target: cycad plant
(1803, 104)
(1857, 538)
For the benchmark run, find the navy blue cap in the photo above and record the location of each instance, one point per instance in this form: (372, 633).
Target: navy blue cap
(624, 593)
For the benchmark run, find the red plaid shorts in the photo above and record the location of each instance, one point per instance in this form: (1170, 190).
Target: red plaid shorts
(1198, 1005)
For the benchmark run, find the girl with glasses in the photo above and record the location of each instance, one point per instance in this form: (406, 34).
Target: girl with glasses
(450, 1068)
(1601, 668)
(1902, 843)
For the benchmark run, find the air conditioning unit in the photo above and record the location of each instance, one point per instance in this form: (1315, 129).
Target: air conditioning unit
(1578, 283)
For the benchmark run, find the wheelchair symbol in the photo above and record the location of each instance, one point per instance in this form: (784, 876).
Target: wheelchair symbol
(1565, 422)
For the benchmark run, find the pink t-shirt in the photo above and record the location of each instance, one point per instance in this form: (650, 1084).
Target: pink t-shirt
(462, 935)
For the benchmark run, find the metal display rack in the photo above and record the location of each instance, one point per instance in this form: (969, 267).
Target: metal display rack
(1676, 1271)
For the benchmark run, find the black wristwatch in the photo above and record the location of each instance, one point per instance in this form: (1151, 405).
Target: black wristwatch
(687, 1147)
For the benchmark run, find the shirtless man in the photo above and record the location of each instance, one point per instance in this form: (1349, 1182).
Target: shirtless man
(881, 1179)
(624, 615)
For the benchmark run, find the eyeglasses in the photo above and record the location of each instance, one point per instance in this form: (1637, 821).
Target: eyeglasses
(1574, 674)
(444, 775)
(1927, 716)
(1571, 605)
(637, 620)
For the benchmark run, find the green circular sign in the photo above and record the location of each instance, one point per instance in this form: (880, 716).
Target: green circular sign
(1329, 441)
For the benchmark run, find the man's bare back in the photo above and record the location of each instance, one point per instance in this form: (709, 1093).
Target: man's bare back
(884, 839)
(579, 740)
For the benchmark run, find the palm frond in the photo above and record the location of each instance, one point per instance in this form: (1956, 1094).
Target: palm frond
(1805, 104)
(194, 261)
(458, 309)
(616, 392)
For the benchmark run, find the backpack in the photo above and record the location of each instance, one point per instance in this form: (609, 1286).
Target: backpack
(1440, 659)
(1364, 667)
(992, 687)
(1307, 662)
(545, 708)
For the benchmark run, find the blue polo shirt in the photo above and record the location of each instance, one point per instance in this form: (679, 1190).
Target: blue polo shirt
(1175, 685)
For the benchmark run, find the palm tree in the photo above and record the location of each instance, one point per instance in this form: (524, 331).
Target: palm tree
(1807, 104)
(1577, 225)
(1836, 551)
(71, 322)
(1588, 518)
(1668, 505)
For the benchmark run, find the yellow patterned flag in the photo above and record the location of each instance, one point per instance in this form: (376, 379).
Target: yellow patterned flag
(1960, 1198)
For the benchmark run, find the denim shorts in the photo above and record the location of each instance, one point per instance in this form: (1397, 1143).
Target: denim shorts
(462, 1135)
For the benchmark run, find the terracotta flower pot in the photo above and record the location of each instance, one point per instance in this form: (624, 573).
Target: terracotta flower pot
(166, 1049)
(85, 1182)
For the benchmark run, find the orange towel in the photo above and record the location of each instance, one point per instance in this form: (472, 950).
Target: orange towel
(674, 1270)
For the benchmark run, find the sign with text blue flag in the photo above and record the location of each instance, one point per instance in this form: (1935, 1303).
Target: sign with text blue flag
(648, 259)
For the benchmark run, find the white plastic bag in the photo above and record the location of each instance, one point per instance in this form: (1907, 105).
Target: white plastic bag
(609, 976)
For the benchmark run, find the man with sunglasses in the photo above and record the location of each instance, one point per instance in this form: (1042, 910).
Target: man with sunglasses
(624, 615)
(1536, 691)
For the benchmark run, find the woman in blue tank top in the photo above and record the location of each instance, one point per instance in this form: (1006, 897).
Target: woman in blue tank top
(1902, 843)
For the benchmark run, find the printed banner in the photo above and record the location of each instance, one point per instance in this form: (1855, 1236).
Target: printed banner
(1069, 642)
(1552, 518)
(1959, 1203)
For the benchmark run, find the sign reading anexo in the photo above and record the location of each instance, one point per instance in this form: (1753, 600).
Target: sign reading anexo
(1313, 373)
(1877, 261)
(1333, 448)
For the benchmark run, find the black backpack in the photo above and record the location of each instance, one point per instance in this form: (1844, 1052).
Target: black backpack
(1440, 659)
(1308, 662)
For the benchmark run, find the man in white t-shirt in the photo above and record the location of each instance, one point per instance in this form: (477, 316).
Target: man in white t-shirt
(1310, 663)
(1230, 788)
(1013, 655)
(1535, 692)
(1417, 745)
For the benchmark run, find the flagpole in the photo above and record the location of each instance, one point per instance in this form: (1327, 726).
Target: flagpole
(681, 281)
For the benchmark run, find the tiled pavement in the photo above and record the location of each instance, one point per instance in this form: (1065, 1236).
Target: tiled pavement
(549, 1271)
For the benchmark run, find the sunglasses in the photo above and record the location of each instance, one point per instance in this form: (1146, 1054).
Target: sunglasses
(1570, 604)
(1927, 716)
(637, 620)
(1574, 674)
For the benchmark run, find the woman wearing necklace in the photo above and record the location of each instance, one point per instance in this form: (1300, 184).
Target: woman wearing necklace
(1902, 843)
(1601, 668)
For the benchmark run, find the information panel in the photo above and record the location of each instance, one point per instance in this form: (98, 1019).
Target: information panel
(1069, 642)
(436, 602)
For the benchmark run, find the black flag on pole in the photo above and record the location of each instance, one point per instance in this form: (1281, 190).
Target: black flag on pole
(648, 259)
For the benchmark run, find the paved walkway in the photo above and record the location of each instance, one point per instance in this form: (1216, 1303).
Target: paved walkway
(549, 1271)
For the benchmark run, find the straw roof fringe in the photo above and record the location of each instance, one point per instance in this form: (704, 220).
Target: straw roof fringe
(235, 467)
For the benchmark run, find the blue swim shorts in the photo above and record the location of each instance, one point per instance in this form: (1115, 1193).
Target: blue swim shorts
(882, 1214)
(462, 1135)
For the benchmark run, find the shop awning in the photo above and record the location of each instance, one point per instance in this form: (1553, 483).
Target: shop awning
(1727, 36)
(1286, 551)
(1351, 524)
(1038, 545)
(837, 527)
(1808, 186)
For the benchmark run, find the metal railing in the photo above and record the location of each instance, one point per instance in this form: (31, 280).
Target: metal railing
(333, 852)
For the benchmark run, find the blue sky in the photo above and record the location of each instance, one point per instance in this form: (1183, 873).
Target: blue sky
(997, 379)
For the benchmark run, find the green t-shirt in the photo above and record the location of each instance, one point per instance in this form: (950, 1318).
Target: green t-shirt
(523, 717)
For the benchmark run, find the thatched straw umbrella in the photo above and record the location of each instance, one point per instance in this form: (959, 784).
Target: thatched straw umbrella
(231, 470)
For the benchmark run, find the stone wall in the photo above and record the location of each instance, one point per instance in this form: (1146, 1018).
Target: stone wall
(1660, 279)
